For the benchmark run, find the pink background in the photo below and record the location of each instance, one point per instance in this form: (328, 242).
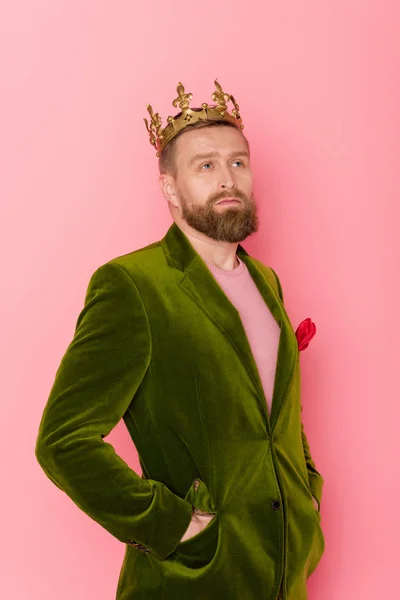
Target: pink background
(317, 84)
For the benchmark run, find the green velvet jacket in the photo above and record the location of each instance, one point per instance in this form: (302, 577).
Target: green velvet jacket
(159, 345)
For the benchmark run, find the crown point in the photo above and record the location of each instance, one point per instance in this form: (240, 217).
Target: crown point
(159, 137)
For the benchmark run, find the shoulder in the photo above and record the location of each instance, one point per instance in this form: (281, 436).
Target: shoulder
(139, 259)
(134, 265)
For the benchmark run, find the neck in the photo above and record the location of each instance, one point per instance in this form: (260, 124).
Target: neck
(220, 254)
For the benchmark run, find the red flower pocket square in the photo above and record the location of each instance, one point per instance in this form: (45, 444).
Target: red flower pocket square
(305, 332)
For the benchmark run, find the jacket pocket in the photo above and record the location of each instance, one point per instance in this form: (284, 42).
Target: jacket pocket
(199, 550)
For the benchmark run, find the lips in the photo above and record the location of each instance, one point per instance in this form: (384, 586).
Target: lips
(228, 201)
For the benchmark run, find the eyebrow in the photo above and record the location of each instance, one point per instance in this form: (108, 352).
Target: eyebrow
(197, 157)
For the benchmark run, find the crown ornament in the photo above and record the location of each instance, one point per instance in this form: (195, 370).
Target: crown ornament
(159, 136)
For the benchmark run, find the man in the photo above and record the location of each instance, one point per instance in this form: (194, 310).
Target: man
(188, 341)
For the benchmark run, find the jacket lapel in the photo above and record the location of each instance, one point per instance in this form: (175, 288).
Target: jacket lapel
(200, 286)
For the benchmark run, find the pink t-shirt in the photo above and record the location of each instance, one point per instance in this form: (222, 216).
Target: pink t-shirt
(260, 326)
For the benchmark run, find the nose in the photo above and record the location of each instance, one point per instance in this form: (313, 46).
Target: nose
(226, 179)
(227, 185)
(226, 182)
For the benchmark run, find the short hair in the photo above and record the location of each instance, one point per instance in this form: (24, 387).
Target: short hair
(166, 161)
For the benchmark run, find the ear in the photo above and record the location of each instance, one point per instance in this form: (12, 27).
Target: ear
(167, 185)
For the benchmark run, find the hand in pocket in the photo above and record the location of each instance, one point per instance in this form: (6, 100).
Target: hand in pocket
(199, 521)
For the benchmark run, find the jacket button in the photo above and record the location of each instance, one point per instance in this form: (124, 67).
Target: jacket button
(276, 504)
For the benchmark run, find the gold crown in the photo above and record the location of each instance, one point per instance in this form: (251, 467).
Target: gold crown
(159, 137)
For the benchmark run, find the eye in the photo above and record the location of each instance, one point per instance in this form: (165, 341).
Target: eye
(238, 161)
(205, 164)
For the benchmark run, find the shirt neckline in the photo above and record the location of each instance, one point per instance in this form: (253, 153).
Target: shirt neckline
(228, 272)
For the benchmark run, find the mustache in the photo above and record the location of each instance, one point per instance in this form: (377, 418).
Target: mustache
(221, 195)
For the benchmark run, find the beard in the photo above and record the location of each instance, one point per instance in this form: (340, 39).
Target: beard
(231, 224)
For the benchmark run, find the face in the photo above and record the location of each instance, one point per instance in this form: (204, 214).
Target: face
(212, 166)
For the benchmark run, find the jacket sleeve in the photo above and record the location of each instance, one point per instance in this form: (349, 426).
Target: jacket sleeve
(314, 477)
(94, 385)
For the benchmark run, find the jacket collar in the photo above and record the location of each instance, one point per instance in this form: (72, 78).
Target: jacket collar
(201, 287)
